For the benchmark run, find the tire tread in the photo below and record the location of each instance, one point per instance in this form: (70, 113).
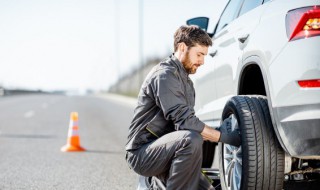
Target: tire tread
(262, 155)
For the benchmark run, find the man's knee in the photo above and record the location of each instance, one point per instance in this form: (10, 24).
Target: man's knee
(194, 140)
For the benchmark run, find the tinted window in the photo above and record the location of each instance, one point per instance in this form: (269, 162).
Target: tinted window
(229, 14)
(249, 5)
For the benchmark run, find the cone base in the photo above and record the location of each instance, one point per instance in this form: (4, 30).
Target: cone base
(71, 148)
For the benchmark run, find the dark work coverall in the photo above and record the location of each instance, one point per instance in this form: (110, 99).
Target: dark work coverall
(164, 137)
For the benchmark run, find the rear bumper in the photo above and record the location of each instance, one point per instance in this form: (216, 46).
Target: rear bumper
(296, 110)
(299, 60)
(299, 129)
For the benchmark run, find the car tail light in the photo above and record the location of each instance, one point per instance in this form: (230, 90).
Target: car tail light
(309, 83)
(303, 23)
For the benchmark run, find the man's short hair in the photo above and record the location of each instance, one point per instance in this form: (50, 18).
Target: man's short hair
(191, 35)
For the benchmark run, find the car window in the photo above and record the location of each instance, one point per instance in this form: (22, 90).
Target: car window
(229, 14)
(249, 5)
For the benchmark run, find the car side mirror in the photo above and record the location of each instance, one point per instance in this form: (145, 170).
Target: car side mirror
(202, 22)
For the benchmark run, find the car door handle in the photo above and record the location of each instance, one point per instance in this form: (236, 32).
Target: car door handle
(213, 53)
(243, 38)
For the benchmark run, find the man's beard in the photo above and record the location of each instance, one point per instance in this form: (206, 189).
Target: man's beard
(188, 66)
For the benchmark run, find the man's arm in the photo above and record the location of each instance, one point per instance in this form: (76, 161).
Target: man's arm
(170, 96)
(210, 134)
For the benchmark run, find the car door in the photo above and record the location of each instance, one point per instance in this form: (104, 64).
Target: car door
(206, 80)
(230, 41)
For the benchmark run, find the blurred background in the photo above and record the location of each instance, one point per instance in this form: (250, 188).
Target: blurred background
(81, 46)
(83, 56)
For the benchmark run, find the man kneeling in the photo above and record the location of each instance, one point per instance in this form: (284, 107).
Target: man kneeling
(165, 136)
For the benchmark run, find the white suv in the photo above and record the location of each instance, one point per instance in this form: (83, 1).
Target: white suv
(263, 70)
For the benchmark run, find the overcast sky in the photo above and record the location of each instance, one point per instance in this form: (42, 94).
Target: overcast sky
(86, 44)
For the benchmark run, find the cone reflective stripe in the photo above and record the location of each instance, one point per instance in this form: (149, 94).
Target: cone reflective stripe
(73, 143)
(73, 129)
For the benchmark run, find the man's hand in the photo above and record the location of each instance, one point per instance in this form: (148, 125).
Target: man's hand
(210, 134)
(233, 137)
(222, 134)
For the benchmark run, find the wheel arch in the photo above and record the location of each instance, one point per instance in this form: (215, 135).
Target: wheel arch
(250, 65)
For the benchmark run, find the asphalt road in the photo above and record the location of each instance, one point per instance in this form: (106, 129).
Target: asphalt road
(33, 128)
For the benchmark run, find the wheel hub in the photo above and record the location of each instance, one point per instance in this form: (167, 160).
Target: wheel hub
(232, 161)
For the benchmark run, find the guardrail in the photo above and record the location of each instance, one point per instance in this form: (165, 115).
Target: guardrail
(6, 92)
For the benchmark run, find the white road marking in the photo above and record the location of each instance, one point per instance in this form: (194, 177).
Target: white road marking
(29, 114)
(124, 100)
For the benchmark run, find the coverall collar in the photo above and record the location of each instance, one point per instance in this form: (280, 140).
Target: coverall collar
(179, 64)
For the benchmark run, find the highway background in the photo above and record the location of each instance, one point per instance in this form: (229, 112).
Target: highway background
(76, 47)
(33, 128)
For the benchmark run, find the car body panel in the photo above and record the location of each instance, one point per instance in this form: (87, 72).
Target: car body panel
(282, 63)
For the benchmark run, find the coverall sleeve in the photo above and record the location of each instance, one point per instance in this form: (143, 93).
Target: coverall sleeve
(170, 96)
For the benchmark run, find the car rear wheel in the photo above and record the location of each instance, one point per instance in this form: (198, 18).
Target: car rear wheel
(259, 162)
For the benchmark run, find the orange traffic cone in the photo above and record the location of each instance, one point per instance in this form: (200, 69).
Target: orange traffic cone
(73, 143)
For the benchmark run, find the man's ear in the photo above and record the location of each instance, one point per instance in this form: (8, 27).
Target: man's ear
(182, 47)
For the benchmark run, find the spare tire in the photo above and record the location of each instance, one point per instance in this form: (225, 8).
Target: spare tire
(259, 162)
